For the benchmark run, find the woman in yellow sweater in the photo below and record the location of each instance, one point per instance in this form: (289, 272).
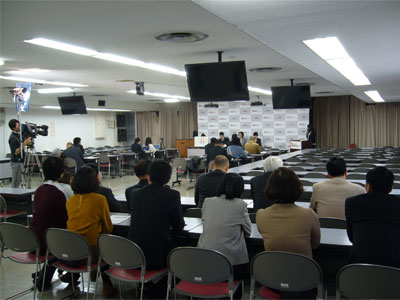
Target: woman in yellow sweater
(89, 215)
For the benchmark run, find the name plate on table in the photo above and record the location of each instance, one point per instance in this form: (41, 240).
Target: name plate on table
(295, 145)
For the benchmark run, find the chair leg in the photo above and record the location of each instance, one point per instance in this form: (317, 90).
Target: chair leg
(44, 272)
(97, 280)
(35, 281)
(88, 285)
(141, 290)
(120, 289)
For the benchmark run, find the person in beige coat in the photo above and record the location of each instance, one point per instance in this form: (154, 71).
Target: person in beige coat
(329, 196)
(285, 226)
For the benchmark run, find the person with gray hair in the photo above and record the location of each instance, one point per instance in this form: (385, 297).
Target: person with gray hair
(258, 183)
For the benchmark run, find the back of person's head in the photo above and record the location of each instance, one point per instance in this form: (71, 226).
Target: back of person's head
(284, 186)
(85, 181)
(142, 168)
(255, 133)
(68, 145)
(203, 134)
(77, 140)
(253, 138)
(56, 152)
(93, 166)
(53, 167)
(66, 177)
(336, 166)
(213, 140)
(380, 179)
(137, 140)
(160, 172)
(12, 123)
(231, 185)
(271, 163)
(221, 162)
(234, 136)
(148, 141)
(221, 134)
(236, 141)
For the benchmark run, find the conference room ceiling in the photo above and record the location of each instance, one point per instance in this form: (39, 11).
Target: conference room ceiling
(263, 33)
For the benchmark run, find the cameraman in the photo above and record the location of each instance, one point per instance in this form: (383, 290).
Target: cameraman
(15, 148)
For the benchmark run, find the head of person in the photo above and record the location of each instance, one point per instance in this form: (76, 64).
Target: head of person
(379, 180)
(284, 186)
(213, 140)
(220, 163)
(56, 152)
(148, 141)
(142, 169)
(203, 134)
(68, 145)
(66, 177)
(13, 124)
(77, 141)
(253, 138)
(231, 185)
(236, 141)
(221, 135)
(96, 169)
(271, 163)
(53, 167)
(240, 134)
(234, 136)
(160, 172)
(336, 167)
(137, 140)
(255, 134)
(85, 181)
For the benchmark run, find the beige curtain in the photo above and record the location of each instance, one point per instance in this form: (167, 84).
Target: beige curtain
(148, 125)
(177, 121)
(344, 120)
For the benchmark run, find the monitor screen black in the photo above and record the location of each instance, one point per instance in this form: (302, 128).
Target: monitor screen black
(223, 81)
(291, 97)
(72, 105)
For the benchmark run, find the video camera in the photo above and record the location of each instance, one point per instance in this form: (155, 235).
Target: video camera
(32, 130)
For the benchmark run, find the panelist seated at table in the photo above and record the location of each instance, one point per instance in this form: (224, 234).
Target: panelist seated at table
(207, 184)
(142, 172)
(252, 147)
(373, 221)
(235, 149)
(113, 203)
(137, 148)
(258, 183)
(224, 140)
(149, 143)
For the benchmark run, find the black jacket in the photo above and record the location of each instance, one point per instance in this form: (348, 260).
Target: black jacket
(142, 183)
(156, 214)
(113, 203)
(213, 152)
(206, 186)
(373, 226)
(75, 153)
(137, 148)
(258, 184)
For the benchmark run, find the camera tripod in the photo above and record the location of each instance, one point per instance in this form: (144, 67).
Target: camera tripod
(30, 161)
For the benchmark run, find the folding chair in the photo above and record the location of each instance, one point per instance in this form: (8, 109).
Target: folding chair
(179, 164)
(306, 182)
(332, 223)
(315, 175)
(284, 271)
(192, 213)
(356, 176)
(127, 261)
(366, 281)
(70, 164)
(22, 241)
(104, 162)
(204, 273)
(66, 245)
(4, 213)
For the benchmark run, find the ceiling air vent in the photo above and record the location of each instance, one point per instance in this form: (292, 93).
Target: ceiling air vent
(182, 37)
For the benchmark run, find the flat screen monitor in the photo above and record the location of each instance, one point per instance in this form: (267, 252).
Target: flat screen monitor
(291, 97)
(222, 81)
(72, 105)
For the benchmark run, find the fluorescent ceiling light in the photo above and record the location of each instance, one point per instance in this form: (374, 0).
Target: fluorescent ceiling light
(374, 95)
(61, 46)
(104, 56)
(27, 71)
(55, 90)
(161, 95)
(171, 100)
(258, 90)
(332, 51)
(24, 79)
(90, 109)
(348, 68)
(327, 48)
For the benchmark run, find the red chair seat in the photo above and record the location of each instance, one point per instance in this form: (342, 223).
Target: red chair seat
(134, 274)
(81, 268)
(268, 293)
(26, 258)
(215, 289)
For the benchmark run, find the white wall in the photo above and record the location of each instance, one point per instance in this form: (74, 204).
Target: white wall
(63, 129)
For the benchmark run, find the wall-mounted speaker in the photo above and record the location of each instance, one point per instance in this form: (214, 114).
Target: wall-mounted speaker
(120, 120)
(102, 102)
(121, 135)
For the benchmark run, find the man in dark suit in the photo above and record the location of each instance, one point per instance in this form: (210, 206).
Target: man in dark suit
(75, 153)
(206, 185)
(258, 183)
(142, 172)
(113, 203)
(77, 144)
(373, 221)
(213, 152)
(224, 140)
(156, 215)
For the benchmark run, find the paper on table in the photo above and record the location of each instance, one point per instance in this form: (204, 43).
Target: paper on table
(117, 219)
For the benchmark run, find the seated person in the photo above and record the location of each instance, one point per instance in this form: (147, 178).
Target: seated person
(137, 148)
(329, 196)
(243, 140)
(65, 183)
(223, 140)
(211, 144)
(258, 183)
(149, 144)
(258, 141)
(77, 144)
(235, 150)
(49, 210)
(89, 215)
(373, 221)
(113, 203)
(226, 223)
(213, 152)
(142, 172)
(252, 147)
(206, 185)
(74, 153)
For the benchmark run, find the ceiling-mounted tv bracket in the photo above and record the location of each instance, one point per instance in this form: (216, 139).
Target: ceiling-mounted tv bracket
(291, 82)
(220, 55)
